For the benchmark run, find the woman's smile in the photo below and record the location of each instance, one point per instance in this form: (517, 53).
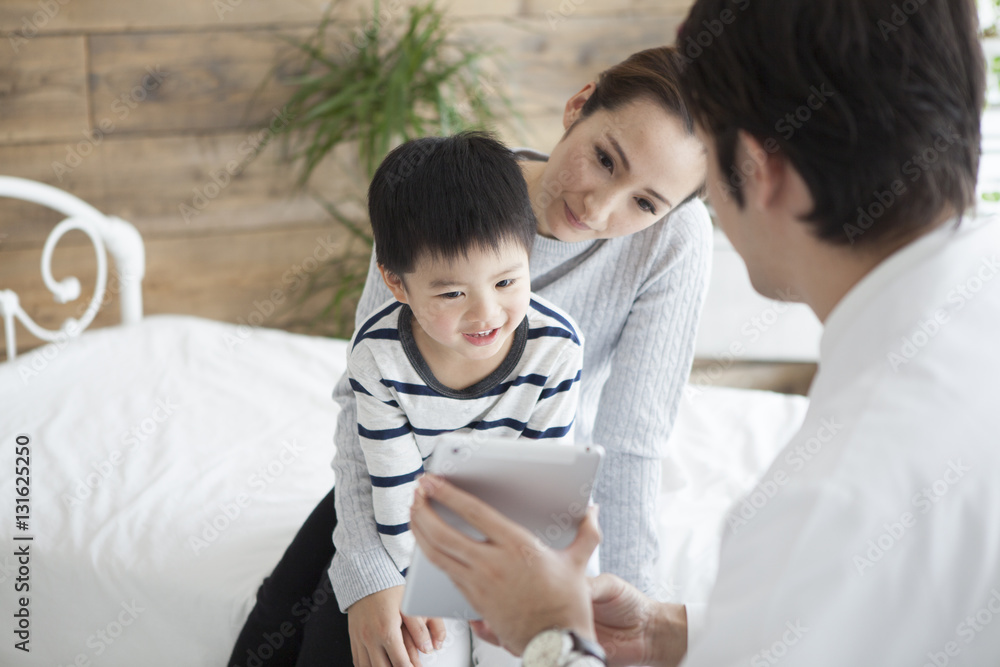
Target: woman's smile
(573, 220)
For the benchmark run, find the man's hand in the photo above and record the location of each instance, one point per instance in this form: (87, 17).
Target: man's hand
(520, 586)
(381, 636)
(634, 629)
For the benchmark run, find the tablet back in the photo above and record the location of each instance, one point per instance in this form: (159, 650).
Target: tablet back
(544, 487)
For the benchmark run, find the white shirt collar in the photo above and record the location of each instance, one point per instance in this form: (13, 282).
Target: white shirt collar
(877, 281)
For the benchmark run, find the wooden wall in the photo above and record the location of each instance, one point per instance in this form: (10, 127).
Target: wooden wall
(137, 105)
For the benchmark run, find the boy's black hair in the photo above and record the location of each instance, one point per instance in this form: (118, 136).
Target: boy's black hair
(445, 195)
(876, 103)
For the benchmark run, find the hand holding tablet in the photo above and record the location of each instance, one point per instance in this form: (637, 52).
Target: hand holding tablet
(543, 487)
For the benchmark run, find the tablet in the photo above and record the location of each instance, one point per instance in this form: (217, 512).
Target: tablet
(544, 487)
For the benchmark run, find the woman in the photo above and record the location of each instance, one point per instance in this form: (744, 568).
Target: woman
(623, 245)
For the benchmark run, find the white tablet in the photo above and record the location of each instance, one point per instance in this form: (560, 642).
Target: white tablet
(544, 487)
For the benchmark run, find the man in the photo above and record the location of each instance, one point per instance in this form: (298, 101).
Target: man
(844, 143)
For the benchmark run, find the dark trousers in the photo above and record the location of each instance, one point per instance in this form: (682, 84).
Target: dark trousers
(296, 621)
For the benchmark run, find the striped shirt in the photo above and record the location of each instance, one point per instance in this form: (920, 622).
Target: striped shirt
(402, 407)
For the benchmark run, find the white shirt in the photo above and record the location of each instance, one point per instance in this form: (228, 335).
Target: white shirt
(874, 538)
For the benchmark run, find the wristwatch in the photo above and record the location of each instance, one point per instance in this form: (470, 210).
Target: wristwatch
(563, 648)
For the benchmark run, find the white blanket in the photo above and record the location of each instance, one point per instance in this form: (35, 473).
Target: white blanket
(173, 460)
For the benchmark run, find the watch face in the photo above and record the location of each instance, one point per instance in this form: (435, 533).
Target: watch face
(547, 649)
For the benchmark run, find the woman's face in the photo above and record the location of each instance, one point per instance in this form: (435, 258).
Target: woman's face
(615, 173)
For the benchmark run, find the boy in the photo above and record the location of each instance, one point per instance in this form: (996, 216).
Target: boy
(464, 347)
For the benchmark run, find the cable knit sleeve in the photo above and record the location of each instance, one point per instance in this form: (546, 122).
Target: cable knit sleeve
(361, 565)
(638, 403)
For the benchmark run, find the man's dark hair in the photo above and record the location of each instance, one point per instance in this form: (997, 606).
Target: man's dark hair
(445, 195)
(876, 103)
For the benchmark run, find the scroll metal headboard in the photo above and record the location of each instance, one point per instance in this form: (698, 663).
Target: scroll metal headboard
(107, 233)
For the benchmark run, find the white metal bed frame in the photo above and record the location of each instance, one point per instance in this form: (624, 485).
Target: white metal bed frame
(108, 234)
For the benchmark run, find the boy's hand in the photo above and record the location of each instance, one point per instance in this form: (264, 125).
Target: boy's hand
(381, 636)
(427, 634)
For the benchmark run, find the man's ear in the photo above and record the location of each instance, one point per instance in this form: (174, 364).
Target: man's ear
(768, 171)
(394, 283)
(575, 104)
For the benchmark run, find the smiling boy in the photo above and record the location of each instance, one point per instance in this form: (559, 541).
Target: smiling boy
(463, 347)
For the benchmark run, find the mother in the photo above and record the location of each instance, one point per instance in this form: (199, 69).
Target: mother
(623, 245)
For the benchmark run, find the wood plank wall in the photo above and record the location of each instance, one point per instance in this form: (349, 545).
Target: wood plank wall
(134, 105)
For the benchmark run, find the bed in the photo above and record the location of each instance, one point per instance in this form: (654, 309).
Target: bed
(172, 458)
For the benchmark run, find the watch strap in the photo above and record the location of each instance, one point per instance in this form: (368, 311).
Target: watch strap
(587, 647)
(559, 647)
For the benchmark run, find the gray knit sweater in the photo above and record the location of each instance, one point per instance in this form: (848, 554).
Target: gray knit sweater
(637, 300)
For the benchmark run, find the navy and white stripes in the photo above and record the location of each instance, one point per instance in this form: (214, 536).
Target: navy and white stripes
(402, 408)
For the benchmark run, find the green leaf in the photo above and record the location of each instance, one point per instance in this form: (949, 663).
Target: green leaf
(403, 79)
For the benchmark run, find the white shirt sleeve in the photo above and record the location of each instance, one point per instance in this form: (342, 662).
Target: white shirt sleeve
(695, 621)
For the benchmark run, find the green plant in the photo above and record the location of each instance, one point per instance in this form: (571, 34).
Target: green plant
(374, 89)
(989, 16)
(385, 88)
(989, 11)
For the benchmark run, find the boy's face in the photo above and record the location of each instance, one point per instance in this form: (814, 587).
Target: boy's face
(470, 305)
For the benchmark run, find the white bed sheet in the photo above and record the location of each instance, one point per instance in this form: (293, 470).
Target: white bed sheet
(225, 425)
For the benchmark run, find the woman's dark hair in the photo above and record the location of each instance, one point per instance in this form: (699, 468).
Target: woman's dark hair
(876, 103)
(445, 195)
(653, 74)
